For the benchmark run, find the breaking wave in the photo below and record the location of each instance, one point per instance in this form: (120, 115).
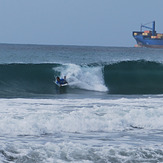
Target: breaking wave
(126, 77)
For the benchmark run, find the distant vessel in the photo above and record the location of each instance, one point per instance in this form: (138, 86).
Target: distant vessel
(149, 38)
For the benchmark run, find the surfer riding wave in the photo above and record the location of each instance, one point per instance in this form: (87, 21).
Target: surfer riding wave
(61, 81)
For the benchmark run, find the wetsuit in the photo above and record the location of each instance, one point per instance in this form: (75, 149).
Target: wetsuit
(62, 81)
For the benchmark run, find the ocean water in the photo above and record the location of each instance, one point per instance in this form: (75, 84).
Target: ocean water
(111, 112)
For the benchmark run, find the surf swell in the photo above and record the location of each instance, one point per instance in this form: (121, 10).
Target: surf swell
(134, 77)
(126, 77)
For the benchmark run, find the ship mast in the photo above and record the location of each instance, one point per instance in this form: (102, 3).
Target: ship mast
(151, 28)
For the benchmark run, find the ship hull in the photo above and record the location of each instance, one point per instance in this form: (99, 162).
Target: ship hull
(148, 42)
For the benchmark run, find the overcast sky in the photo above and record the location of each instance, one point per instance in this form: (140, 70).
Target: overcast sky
(76, 22)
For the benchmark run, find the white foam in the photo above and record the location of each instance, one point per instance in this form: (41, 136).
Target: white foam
(77, 153)
(60, 130)
(84, 77)
(39, 116)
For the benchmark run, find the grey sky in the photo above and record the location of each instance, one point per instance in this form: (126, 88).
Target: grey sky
(76, 22)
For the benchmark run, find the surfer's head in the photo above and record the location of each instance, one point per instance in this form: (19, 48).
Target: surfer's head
(58, 79)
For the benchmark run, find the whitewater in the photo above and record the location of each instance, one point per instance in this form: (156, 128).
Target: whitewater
(111, 112)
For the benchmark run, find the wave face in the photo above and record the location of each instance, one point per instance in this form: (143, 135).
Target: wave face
(126, 77)
(134, 77)
(23, 79)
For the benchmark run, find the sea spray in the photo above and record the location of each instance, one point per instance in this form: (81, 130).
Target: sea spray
(83, 77)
